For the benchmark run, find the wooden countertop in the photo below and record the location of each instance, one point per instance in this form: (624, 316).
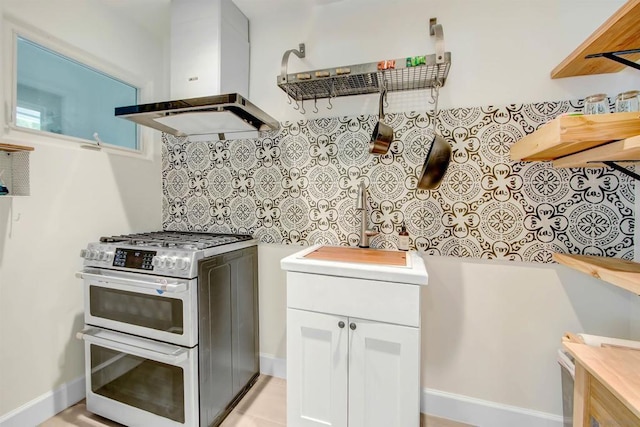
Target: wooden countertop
(367, 256)
(371, 264)
(617, 369)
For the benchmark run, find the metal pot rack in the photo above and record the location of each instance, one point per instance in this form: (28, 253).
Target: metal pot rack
(368, 78)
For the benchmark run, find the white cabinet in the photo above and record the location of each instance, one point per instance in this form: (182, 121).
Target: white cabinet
(317, 369)
(345, 371)
(353, 346)
(384, 374)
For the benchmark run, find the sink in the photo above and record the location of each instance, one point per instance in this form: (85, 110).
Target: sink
(359, 255)
(359, 263)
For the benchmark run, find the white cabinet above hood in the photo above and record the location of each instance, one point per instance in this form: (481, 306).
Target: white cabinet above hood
(209, 76)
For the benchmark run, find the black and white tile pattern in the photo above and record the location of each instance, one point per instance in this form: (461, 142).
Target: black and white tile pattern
(298, 186)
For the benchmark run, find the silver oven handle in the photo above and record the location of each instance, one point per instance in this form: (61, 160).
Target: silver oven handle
(174, 287)
(174, 358)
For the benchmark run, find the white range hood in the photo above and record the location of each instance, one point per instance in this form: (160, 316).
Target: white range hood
(209, 76)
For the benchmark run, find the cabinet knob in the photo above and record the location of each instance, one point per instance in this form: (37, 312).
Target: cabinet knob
(341, 324)
(352, 326)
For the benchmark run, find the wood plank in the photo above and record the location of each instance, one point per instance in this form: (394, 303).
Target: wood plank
(620, 272)
(607, 409)
(624, 150)
(13, 147)
(359, 255)
(581, 397)
(616, 369)
(620, 32)
(566, 135)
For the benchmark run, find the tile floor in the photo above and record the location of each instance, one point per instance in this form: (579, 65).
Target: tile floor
(263, 406)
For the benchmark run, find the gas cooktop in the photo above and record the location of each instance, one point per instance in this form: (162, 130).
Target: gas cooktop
(176, 239)
(163, 253)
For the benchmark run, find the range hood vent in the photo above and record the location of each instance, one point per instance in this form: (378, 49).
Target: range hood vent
(209, 76)
(229, 116)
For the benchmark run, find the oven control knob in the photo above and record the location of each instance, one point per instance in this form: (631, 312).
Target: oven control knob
(170, 262)
(182, 263)
(159, 261)
(108, 256)
(89, 254)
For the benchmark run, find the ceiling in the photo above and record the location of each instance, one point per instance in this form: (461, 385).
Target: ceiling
(153, 15)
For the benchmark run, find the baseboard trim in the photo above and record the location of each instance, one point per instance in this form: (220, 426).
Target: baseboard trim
(272, 366)
(483, 413)
(46, 406)
(433, 402)
(452, 406)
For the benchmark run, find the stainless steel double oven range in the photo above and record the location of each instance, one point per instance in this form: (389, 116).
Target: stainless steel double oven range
(171, 336)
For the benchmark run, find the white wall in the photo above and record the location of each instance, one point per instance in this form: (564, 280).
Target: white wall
(502, 50)
(490, 329)
(77, 195)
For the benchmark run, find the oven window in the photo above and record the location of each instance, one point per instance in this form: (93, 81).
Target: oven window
(141, 383)
(149, 311)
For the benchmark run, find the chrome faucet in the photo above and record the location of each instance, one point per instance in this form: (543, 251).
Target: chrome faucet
(361, 205)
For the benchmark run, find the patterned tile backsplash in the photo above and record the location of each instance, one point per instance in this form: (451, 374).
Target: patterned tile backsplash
(298, 186)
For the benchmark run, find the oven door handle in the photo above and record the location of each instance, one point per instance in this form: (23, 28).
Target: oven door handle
(174, 287)
(174, 358)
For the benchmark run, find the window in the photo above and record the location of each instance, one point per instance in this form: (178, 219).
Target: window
(27, 118)
(57, 94)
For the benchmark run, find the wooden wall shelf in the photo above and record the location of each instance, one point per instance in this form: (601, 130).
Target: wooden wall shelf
(620, 32)
(12, 148)
(619, 272)
(567, 135)
(626, 150)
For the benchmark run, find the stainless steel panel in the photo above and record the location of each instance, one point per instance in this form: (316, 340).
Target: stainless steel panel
(245, 319)
(216, 366)
(228, 302)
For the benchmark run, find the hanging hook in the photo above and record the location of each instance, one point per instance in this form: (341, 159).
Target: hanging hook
(434, 91)
(289, 98)
(331, 95)
(384, 93)
(297, 107)
(315, 104)
(302, 110)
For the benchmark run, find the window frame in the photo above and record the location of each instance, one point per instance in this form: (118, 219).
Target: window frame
(13, 29)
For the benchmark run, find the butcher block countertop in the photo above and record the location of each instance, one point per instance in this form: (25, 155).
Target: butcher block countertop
(618, 369)
(367, 256)
(373, 264)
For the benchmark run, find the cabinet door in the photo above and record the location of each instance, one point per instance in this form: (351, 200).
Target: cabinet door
(384, 374)
(316, 369)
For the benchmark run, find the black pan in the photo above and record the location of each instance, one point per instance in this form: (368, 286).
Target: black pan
(436, 163)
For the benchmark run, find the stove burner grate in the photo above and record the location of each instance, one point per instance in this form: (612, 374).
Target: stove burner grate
(177, 239)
